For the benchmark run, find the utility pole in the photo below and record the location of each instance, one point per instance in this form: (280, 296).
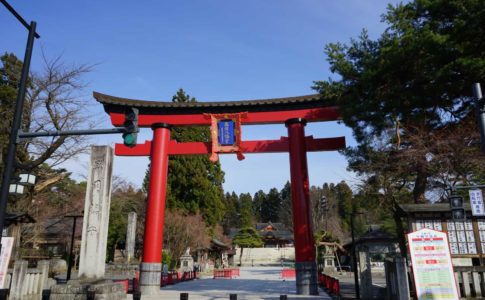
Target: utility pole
(71, 247)
(477, 94)
(12, 146)
(354, 256)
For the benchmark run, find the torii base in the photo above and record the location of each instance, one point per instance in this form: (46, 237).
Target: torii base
(306, 278)
(150, 274)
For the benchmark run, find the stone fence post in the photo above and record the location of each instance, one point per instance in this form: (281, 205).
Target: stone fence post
(18, 279)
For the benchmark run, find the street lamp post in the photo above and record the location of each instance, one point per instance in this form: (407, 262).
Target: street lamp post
(12, 146)
(479, 102)
(324, 208)
(354, 255)
(70, 262)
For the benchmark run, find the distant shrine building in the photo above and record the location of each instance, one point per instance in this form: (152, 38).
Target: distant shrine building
(273, 235)
(466, 238)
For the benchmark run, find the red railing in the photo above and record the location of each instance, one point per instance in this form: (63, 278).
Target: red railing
(331, 284)
(125, 283)
(189, 276)
(288, 273)
(131, 284)
(175, 277)
(223, 274)
(226, 273)
(235, 272)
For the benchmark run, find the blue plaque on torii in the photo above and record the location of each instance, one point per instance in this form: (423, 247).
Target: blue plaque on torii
(226, 132)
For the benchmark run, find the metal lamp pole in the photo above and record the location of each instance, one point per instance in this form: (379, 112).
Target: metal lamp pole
(354, 256)
(71, 248)
(477, 94)
(12, 146)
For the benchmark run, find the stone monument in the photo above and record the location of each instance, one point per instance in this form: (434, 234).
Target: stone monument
(94, 235)
(186, 262)
(130, 237)
(96, 214)
(328, 261)
(365, 273)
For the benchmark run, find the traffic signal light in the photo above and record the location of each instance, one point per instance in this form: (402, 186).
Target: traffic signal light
(457, 209)
(130, 126)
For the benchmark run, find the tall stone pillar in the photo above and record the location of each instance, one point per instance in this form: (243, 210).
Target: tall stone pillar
(365, 273)
(96, 214)
(130, 237)
(305, 264)
(151, 267)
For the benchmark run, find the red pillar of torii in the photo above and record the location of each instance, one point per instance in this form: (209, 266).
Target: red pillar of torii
(294, 112)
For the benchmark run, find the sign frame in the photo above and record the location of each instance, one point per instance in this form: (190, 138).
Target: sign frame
(430, 236)
(476, 202)
(6, 253)
(217, 148)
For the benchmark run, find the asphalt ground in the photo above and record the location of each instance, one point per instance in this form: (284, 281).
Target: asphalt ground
(347, 285)
(254, 283)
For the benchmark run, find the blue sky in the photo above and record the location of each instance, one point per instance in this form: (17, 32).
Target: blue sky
(214, 50)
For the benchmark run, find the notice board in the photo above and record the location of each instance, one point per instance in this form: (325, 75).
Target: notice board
(432, 266)
(7, 245)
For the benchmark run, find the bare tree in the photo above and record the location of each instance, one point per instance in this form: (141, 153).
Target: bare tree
(184, 231)
(54, 102)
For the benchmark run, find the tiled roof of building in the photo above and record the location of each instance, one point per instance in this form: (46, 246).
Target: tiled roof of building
(219, 244)
(276, 226)
(14, 218)
(279, 231)
(429, 207)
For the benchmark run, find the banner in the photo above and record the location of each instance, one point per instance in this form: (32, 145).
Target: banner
(7, 245)
(226, 134)
(432, 266)
(476, 202)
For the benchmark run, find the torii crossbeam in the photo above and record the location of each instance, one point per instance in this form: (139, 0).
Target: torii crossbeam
(294, 112)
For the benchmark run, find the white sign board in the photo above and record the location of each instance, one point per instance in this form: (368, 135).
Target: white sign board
(476, 202)
(432, 266)
(7, 245)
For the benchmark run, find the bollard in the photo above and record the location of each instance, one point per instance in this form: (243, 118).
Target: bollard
(136, 295)
(232, 296)
(184, 296)
(283, 297)
(91, 295)
(46, 294)
(3, 294)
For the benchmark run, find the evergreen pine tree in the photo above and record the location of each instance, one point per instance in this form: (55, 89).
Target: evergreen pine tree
(194, 184)
(246, 210)
(258, 200)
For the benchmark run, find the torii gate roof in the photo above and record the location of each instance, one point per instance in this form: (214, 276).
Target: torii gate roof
(275, 104)
(263, 111)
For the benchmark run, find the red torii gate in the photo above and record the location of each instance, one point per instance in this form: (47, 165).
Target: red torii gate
(294, 112)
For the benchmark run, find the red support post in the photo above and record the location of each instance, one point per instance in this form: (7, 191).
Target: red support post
(306, 273)
(304, 245)
(152, 246)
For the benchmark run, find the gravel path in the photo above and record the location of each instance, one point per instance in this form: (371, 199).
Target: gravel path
(255, 283)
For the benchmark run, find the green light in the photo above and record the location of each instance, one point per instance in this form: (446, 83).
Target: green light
(129, 139)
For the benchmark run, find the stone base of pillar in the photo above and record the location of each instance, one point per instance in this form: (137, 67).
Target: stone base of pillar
(306, 278)
(79, 289)
(150, 274)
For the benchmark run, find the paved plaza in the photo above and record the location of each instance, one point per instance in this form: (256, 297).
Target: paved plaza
(254, 283)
